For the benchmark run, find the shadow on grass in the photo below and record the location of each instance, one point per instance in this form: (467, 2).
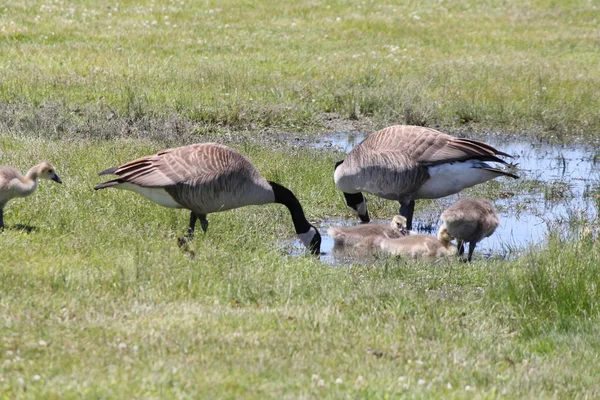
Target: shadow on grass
(21, 227)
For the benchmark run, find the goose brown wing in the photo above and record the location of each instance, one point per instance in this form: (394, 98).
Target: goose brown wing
(430, 147)
(189, 164)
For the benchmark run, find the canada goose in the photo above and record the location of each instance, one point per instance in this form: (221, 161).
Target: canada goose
(13, 184)
(419, 246)
(364, 234)
(470, 220)
(207, 178)
(407, 163)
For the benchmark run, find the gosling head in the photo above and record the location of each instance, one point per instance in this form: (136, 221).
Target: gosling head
(45, 170)
(399, 222)
(444, 236)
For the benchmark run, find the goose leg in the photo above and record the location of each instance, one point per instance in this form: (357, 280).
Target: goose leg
(471, 249)
(190, 232)
(461, 248)
(1, 219)
(203, 222)
(407, 210)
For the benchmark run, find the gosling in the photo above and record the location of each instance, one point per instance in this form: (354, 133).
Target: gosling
(365, 234)
(470, 220)
(13, 184)
(419, 246)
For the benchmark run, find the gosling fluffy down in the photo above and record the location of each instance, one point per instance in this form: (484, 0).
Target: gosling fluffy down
(470, 220)
(365, 234)
(419, 246)
(13, 184)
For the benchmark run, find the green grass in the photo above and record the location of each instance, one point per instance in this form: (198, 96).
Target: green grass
(228, 65)
(98, 301)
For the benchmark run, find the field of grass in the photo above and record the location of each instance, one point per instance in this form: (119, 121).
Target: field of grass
(98, 301)
(230, 65)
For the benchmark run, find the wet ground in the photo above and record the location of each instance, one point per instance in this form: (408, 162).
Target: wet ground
(558, 185)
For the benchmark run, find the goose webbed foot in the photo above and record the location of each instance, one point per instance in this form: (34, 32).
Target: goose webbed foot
(182, 241)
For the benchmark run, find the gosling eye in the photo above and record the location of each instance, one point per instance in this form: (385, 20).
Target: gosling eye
(50, 171)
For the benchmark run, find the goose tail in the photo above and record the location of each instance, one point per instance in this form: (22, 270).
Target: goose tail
(501, 172)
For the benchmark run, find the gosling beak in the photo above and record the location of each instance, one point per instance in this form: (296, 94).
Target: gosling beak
(56, 179)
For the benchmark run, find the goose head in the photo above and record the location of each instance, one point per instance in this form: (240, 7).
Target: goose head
(45, 170)
(312, 240)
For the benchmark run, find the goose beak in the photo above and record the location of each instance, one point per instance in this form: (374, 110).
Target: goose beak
(315, 244)
(364, 218)
(55, 178)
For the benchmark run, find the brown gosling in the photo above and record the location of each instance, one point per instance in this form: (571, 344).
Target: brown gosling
(407, 163)
(207, 178)
(470, 220)
(365, 234)
(13, 184)
(419, 246)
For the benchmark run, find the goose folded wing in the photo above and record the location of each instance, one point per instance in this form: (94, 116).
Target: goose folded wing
(168, 168)
(431, 147)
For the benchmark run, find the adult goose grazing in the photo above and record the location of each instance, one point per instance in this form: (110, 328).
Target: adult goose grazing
(365, 234)
(470, 220)
(207, 178)
(419, 246)
(407, 163)
(13, 184)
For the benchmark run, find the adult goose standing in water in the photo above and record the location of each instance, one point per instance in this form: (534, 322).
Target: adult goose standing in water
(406, 163)
(207, 178)
(470, 220)
(13, 184)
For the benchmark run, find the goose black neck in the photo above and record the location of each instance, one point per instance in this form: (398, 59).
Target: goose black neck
(285, 196)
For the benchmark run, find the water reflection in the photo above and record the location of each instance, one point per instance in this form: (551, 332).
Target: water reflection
(569, 177)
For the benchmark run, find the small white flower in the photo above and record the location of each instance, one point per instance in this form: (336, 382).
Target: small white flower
(122, 346)
(36, 377)
(421, 381)
(449, 385)
(314, 377)
(321, 383)
(468, 388)
(339, 381)
(401, 379)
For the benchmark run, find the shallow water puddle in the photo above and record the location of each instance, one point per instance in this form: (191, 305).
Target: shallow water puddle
(557, 183)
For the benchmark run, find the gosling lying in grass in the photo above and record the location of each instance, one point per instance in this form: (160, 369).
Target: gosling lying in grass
(13, 184)
(419, 246)
(365, 234)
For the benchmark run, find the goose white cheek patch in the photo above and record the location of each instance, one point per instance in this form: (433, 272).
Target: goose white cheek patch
(307, 237)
